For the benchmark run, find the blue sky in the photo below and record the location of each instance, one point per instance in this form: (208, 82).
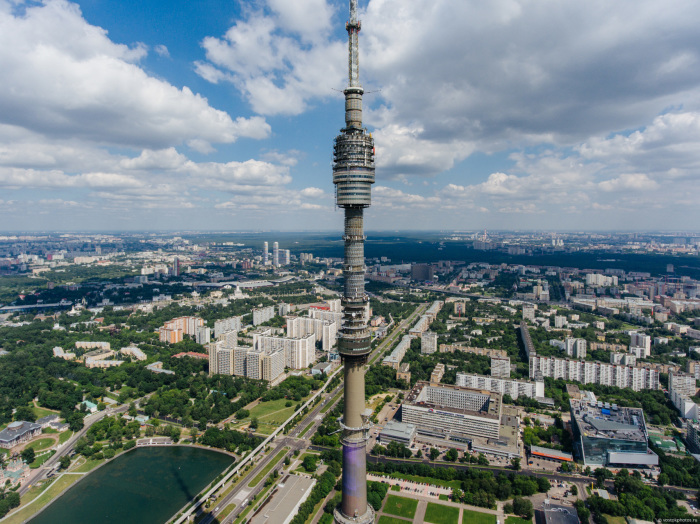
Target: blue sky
(510, 114)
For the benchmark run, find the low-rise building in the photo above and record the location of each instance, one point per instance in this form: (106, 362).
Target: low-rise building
(399, 432)
(18, 432)
(610, 436)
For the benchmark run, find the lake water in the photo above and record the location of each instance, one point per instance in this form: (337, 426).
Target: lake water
(145, 486)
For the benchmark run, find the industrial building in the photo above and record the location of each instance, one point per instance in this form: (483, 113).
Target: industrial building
(452, 412)
(608, 435)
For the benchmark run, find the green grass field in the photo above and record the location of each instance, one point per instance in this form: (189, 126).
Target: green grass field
(43, 412)
(41, 444)
(441, 514)
(614, 520)
(477, 517)
(273, 414)
(400, 506)
(63, 437)
(517, 520)
(386, 519)
(267, 468)
(41, 459)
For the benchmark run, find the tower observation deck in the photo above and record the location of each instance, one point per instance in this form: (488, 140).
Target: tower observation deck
(353, 176)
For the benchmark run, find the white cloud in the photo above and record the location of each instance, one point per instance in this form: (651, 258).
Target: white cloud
(63, 77)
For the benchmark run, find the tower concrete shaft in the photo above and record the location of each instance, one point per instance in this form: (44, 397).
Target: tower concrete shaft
(353, 176)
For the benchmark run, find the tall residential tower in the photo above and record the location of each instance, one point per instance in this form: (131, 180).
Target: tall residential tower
(353, 175)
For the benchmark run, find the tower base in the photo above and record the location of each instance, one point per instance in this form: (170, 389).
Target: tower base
(367, 518)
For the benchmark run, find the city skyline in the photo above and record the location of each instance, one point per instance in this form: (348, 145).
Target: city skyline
(145, 116)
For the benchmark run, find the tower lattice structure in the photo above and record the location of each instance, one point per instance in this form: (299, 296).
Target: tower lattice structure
(353, 176)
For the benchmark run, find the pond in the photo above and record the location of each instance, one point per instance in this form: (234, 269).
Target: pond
(145, 486)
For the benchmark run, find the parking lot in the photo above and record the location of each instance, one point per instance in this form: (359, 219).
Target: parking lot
(408, 486)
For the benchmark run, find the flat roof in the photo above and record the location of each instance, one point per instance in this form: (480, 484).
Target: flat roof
(401, 430)
(551, 453)
(555, 514)
(594, 421)
(494, 404)
(285, 501)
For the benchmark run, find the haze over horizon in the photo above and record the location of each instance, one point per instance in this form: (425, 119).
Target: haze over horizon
(509, 115)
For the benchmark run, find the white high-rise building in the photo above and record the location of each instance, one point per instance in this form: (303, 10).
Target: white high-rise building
(263, 314)
(640, 345)
(505, 386)
(500, 367)
(266, 254)
(682, 383)
(324, 328)
(276, 254)
(560, 322)
(287, 257)
(575, 347)
(588, 372)
(298, 352)
(202, 335)
(428, 342)
(529, 312)
(227, 324)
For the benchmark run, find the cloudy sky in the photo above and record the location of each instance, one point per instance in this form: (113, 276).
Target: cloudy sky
(220, 115)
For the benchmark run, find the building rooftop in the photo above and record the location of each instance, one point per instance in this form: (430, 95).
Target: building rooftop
(598, 420)
(17, 429)
(555, 514)
(417, 397)
(400, 430)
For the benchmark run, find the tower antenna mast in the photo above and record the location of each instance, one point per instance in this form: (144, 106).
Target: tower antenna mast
(353, 175)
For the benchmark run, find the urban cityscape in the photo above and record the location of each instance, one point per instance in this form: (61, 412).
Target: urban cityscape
(485, 310)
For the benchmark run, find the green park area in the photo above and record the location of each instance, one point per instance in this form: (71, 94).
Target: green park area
(272, 414)
(517, 520)
(41, 444)
(400, 506)
(386, 519)
(441, 514)
(477, 517)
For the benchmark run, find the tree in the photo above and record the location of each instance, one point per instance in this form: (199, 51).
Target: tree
(574, 490)
(25, 413)
(451, 455)
(522, 507)
(419, 454)
(309, 463)
(132, 410)
(242, 413)
(28, 455)
(253, 423)
(64, 461)
(515, 462)
(434, 453)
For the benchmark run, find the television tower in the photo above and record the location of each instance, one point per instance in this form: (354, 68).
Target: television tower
(353, 175)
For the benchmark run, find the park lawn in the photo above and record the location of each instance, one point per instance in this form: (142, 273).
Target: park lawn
(441, 514)
(39, 460)
(268, 468)
(615, 520)
(394, 487)
(477, 517)
(41, 444)
(386, 519)
(400, 506)
(517, 520)
(24, 512)
(442, 496)
(63, 437)
(89, 465)
(43, 412)
(435, 482)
